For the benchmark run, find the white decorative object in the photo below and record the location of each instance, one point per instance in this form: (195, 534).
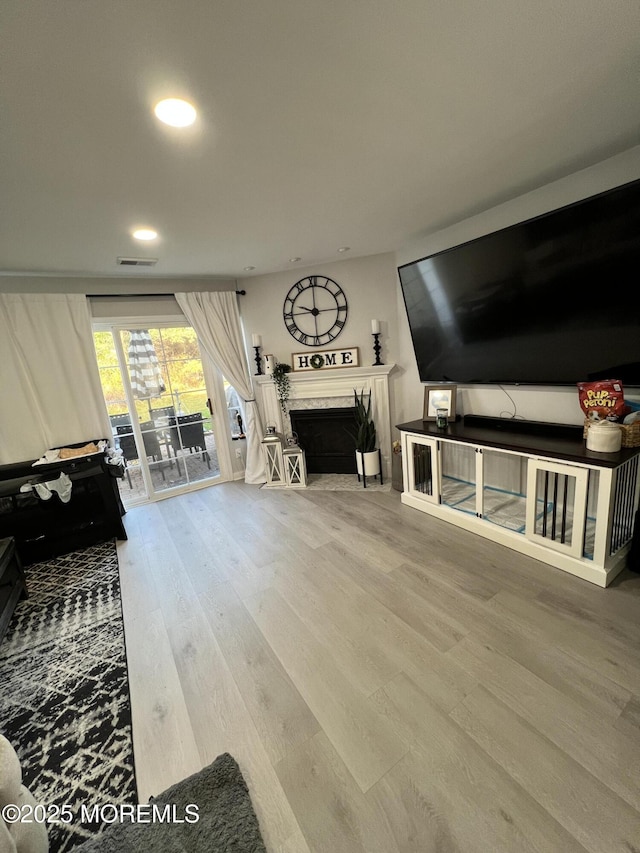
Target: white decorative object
(375, 327)
(285, 463)
(256, 340)
(270, 362)
(326, 359)
(295, 466)
(604, 437)
(368, 465)
(273, 457)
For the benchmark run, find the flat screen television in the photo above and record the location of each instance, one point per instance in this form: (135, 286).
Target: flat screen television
(554, 300)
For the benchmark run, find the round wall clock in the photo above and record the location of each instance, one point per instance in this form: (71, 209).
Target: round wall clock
(315, 310)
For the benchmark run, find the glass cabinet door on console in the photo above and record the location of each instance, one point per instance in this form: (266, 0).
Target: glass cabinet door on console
(502, 498)
(458, 477)
(421, 467)
(557, 506)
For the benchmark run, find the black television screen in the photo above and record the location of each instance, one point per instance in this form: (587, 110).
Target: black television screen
(554, 300)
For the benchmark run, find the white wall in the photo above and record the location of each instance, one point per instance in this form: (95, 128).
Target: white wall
(369, 284)
(554, 404)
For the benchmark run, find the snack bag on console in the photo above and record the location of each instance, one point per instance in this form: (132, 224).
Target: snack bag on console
(603, 400)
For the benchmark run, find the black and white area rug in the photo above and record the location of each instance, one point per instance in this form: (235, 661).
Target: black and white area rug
(64, 690)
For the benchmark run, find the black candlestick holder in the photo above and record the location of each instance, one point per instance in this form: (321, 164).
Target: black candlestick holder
(377, 348)
(258, 362)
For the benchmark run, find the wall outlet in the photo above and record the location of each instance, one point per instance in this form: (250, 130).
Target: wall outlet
(238, 453)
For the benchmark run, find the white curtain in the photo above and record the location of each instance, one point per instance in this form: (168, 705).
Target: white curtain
(50, 392)
(216, 320)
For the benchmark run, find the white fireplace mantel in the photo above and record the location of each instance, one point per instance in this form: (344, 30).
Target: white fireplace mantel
(325, 384)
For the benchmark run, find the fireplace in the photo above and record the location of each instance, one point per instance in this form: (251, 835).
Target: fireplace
(317, 394)
(324, 435)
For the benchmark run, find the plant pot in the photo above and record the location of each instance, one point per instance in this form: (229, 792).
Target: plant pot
(368, 463)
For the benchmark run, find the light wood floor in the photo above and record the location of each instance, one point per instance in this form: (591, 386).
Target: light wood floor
(387, 682)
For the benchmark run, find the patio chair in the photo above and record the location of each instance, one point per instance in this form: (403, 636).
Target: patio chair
(120, 424)
(128, 444)
(190, 429)
(161, 416)
(120, 420)
(151, 442)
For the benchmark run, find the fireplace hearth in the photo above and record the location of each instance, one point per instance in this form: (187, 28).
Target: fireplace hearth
(325, 435)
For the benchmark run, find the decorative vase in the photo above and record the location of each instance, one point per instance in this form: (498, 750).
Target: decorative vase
(368, 464)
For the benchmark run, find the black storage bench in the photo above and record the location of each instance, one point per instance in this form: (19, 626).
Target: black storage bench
(43, 529)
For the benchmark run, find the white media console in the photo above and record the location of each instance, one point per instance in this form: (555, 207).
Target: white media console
(533, 487)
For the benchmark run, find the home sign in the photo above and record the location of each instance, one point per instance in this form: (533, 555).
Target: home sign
(325, 359)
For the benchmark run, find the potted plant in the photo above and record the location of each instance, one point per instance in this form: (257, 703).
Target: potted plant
(367, 454)
(282, 383)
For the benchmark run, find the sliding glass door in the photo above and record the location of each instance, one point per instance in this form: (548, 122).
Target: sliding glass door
(161, 410)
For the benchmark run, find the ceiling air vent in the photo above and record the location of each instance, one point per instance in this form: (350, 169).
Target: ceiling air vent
(137, 262)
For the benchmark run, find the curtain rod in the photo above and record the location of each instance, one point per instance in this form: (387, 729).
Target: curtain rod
(154, 295)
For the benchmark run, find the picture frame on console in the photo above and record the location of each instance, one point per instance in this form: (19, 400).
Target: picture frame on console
(439, 397)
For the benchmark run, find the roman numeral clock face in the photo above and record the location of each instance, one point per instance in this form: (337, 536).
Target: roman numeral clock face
(315, 310)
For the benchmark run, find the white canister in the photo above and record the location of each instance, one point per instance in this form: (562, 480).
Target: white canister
(604, 437)
(270, 362)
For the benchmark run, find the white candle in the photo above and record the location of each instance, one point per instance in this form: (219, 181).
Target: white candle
(375, 327)
(256, 340)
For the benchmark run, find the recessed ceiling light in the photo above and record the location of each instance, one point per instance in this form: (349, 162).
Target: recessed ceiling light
(248, 269)
(175, 112)
(344, 249)
(145, 234)
(294, 260)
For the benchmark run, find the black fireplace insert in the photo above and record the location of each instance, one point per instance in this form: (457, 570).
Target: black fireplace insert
(326, 436)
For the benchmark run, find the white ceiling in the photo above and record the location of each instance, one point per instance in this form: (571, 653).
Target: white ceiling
(323, 123)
